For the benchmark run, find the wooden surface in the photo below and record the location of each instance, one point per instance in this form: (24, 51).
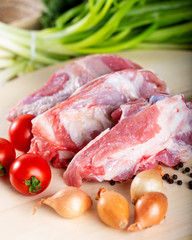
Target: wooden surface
(16, 219)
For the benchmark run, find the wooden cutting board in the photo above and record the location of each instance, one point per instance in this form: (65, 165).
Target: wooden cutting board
(16, 219)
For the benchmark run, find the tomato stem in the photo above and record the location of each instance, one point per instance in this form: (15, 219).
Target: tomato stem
(2, 170)
(34, 184)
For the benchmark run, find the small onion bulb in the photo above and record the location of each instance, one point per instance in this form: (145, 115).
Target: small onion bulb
(150, 210)
(146, 181)
(112, 208)
(70, 202)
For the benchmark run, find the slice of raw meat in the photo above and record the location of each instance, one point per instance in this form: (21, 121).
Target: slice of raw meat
(62, 131)
(66, 80)
(161, 132)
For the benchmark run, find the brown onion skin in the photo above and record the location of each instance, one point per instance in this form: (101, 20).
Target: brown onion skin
(69, 202)
(150, 210)
(113, 209)
(146, 181)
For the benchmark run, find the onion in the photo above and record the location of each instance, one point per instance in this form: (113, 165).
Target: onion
(70, 202)
(146, 181)
(112, 208)
(150, 210)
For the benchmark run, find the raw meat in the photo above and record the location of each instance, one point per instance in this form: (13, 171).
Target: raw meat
(161, 132)
(62, 131)
(66, 80)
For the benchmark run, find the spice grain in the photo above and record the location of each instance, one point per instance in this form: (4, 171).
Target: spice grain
(180, 164)
(176, 167)
(187, 169)
(179, 182)
(112, 183)
(166, 176)
(170, 181)
(174, 177)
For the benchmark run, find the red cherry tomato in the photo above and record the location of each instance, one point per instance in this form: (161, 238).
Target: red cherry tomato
(20, 132)
(30, 174)
(7, 155)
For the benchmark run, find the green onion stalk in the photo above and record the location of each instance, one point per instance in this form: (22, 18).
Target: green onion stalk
(96, 26)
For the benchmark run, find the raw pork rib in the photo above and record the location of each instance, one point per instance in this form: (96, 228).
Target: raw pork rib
(66, 80)
(62, 131)
(146, 135)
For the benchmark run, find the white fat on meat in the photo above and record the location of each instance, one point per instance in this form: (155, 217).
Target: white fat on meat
(81, 124)
(44, 128)
(65, 154)
(129, 88)
(175, 125)
(95, 68)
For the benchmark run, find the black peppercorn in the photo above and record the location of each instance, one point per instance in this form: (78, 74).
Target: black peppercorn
(180, 164)
(179, 182)
(166, 176)
(174, 177)
(170, 181)
(112, 182)
(187, 169)
(176, 167)
(190, 175)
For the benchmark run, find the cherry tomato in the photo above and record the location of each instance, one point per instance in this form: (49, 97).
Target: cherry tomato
(30, 174)
(20, 132)
(7, 155)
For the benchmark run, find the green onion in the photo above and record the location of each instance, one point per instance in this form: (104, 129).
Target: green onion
(97, 26)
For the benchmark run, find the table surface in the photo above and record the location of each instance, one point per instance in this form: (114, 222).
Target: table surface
(16, 219)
